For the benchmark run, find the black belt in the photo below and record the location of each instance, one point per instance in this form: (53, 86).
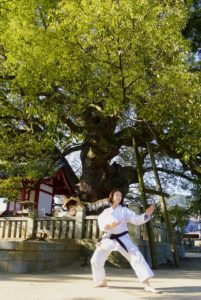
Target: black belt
(116, 237)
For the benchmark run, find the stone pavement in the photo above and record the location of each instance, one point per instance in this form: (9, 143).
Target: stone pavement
(75, 283)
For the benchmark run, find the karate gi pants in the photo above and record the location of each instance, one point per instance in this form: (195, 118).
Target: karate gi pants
(134, 256)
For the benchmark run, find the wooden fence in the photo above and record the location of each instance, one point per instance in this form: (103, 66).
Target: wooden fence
(91, 229)
(13, 228)
(78, 227)
(55, 228)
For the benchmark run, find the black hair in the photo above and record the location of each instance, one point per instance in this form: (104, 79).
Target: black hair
(112, 194)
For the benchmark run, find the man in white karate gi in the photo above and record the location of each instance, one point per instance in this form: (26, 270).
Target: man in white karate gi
(113, 221)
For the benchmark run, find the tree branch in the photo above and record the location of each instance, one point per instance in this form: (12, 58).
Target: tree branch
(11, 77)
(154, 192)
(173, 172)
(69, 150)
(140, 132)
(73, 127)
(86, 51)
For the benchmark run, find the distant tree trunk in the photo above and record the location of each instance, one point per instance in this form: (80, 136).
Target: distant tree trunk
(149, 226)
(164, 208)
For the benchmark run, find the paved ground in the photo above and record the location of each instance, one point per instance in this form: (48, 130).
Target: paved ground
(75, 283)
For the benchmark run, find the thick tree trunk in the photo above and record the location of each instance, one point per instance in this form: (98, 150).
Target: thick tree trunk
(99, 177)
(101, 145)
(149, 226)
(164, 208)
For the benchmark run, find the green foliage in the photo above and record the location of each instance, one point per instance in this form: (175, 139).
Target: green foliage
(193, 28)
(60, 58)
(10, 187)
(195, 207)
(178, 216)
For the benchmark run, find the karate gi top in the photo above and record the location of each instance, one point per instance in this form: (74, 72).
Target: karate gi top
(123, 214)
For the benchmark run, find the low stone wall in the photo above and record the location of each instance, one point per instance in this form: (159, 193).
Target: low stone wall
(34, 256)
(117, 260)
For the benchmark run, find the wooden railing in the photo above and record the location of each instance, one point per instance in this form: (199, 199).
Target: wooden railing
(78, 227)
(55, 228)
(91, 229)
(13, 228)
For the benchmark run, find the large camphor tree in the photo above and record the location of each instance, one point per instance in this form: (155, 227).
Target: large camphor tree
(92, 76)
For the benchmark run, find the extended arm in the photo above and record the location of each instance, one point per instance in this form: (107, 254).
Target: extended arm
(135, 219)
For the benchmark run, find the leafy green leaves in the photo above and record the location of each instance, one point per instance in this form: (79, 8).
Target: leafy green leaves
(59, 59)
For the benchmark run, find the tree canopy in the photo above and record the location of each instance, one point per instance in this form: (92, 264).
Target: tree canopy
(90, 75)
